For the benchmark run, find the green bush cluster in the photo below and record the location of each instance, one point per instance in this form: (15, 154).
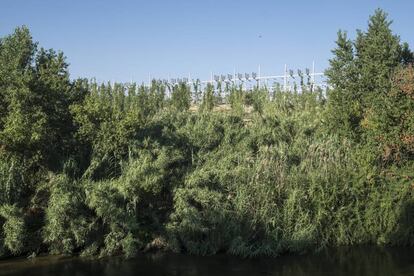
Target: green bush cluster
(103, 169)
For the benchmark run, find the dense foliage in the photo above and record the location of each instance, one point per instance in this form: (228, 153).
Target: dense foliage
(103, 169)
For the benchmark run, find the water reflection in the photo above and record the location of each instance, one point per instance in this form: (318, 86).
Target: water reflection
(351, 261)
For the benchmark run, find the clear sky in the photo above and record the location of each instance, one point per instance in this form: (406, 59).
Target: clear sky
(127, 40)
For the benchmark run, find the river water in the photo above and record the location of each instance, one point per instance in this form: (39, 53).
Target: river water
(345, 261)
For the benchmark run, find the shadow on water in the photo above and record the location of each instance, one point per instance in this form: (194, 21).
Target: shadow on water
(345, 261)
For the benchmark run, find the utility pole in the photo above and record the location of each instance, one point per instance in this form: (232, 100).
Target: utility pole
(259, 77)
(313, 75)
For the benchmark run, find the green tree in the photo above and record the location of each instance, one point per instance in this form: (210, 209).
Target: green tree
(378, 53)
(344, 105)
(208, 98)
(360, 73)
(17, 131)
(181, 97)
(36, 94)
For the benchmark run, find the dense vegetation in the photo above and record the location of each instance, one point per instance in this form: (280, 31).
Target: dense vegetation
(102, 169)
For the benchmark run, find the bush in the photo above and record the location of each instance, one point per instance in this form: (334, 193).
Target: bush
(14, 232)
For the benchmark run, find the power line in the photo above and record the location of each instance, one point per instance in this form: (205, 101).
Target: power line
(249, 81)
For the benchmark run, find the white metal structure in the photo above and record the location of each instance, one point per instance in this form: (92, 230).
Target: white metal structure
(289, 81)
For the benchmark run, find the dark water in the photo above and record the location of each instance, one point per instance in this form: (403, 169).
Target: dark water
(352, 261)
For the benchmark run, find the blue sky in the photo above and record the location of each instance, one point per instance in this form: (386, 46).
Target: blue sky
(128, 40)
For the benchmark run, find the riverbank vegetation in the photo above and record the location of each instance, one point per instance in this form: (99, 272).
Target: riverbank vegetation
(103, 169)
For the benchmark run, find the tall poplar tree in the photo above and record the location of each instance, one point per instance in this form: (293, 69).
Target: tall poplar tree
(344, 107)
(360, 73)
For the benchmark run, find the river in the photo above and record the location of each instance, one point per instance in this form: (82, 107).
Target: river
(346, 261)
